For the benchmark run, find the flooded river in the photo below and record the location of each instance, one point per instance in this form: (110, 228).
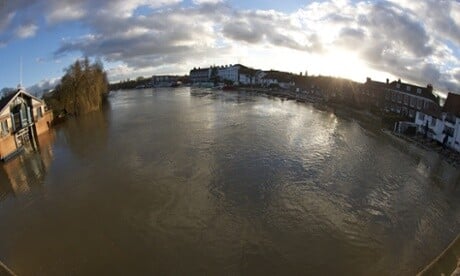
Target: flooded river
(188, 182)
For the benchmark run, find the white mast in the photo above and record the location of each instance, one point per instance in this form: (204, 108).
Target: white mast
(20, 72)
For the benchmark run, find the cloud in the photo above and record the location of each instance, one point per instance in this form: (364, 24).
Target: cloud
(268, 27)
(26, 31)
(6, 20)
(418, 41)
(64, 11)
(200, 2)
(391, 37)
(43, 86)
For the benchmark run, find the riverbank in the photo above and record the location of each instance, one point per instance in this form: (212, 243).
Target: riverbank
(448, 155)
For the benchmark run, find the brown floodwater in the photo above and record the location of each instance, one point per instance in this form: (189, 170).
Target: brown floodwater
(199, 182)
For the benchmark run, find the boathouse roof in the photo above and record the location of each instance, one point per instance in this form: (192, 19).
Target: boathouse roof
(5, 101)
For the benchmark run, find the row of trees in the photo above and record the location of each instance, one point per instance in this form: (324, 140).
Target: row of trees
(83, 88)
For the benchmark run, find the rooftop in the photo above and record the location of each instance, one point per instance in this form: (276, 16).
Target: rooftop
(426, 92)
(452, 104)
(6, 100)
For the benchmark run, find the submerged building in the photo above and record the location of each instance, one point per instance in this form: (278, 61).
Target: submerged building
(23, 118)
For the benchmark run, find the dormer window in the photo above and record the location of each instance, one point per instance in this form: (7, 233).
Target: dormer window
(419, 90)
(408, 88)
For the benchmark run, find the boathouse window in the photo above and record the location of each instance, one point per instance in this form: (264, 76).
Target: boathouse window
(39, 112)
(4, 127)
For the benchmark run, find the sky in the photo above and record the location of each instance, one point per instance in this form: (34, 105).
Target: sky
(415, 40)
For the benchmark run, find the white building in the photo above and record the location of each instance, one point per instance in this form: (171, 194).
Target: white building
(439, 125)
(238, 74)
(200, 75)
(281, 79)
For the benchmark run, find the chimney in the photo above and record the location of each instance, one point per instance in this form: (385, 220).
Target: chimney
(388, 80)
(399, 80)
(368, 79)
(429, 87)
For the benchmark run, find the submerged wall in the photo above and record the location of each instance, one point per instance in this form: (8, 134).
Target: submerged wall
(43, 124)
(7, 146)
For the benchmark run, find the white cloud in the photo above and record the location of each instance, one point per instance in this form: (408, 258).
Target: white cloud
(26, 31)
(199, 2)
(6, 20)
(63, 11)
(43, 86)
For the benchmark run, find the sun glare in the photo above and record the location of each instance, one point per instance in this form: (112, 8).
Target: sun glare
(340, 63)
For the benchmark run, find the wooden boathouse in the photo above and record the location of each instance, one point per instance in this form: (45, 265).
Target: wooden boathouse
(22, 118)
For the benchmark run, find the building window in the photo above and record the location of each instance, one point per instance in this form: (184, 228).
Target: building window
(39, 112)
(419, 104)
(433, 121)
(406, 99)
(425, 105)
(412, 101)
(399, 98)
(408, 88)
(4, 128)
(419, 90)
(421, 116)
(411, 113)
(449, 131)
(398, 85)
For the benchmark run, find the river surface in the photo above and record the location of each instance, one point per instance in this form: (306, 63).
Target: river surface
(194, 182)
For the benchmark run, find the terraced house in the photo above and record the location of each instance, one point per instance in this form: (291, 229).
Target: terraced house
(22, 118)
(406, 99)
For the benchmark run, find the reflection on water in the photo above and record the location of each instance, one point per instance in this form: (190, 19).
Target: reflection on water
(204, 182)
(28, 170)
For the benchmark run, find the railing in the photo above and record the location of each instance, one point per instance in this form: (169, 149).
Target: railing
(4, 270)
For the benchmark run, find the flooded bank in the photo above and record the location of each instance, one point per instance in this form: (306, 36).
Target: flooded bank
(195, 182)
